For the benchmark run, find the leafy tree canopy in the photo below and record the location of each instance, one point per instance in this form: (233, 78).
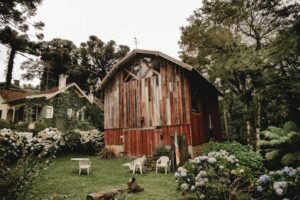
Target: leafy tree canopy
(248, 49)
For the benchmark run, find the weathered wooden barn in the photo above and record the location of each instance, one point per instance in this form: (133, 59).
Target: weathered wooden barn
(149, 96)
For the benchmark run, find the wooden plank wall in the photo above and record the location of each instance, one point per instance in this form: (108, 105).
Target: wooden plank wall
(199, 129)
(212, 108)
(175, 103)
(141, 103)
(113, 136)
(168, 131)
(142, 109)
(113, 103)
(150, 102)
(141, 142)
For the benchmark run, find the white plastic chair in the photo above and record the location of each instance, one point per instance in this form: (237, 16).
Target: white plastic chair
(85, 165)
(137, 164)
(163, 162)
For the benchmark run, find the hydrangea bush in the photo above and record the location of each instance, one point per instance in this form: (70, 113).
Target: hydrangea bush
(47, 143)
(282, 184)
(247, 157)
(12, 145)
(221, 175)
(214, 176)
(89, 141)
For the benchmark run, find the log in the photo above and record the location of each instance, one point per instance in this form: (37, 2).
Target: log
(107, 195)
(133, 186)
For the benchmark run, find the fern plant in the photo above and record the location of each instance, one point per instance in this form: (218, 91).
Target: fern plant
(281, 146)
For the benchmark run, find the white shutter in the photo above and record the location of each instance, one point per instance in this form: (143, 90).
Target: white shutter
(49, 112)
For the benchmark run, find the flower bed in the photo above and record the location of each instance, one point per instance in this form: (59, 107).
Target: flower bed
(280, 184)
(48, 142)
(217, 175)
(220, 175)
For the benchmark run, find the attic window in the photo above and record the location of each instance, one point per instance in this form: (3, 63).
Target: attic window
(142, 68)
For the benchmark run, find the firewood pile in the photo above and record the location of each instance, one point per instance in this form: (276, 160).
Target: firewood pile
(150, 163)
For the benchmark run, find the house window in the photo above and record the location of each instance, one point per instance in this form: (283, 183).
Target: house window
(49, 112)
(80, 115)
(69, 112)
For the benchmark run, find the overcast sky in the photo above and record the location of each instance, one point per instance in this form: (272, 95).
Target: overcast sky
(155, 23)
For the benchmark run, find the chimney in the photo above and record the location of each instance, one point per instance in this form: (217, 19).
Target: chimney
(90, 95)
(62, 82)
(17, 83)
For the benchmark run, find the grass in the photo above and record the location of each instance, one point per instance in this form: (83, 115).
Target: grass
(58, 181)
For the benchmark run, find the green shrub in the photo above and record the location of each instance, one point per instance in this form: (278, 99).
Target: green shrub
(280, 184)
(16, 181)
(23, 127)
(84, 125)
(161, 151)
(94, 115)
(4, 124)
(39, 126)
(12, 146)
(89, 141)
(280, 146)
(290, 126)
(247, 157)
(216, 175)
(107, 153)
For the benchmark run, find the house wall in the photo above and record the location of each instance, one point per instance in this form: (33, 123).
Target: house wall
(4, 108)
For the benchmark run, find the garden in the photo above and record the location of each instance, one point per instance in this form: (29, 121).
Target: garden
(39, 167)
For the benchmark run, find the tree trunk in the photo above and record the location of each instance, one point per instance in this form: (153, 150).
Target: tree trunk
(225, 119)
(10, 67)
(248, 129)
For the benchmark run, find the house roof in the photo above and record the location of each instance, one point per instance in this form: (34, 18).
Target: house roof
(48, 94)
(133, 53)
(10, 95)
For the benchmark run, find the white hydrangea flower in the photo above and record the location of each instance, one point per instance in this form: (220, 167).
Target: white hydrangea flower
(279, 191)
(184, 187)
(212, 160)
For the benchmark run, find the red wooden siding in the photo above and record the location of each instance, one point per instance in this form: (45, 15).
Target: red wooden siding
(212, 108)
(141, 142)
(168, 131)
(113, 136)
(199, 129)
(141, 109)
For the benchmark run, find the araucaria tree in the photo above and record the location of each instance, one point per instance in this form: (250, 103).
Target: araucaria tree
(246, 47)
(84, 65)
(14, 25)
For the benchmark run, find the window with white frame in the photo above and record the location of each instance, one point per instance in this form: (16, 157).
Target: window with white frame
(49, 112)
(69, 112)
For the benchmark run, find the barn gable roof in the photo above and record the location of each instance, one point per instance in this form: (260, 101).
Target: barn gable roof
(133, 53)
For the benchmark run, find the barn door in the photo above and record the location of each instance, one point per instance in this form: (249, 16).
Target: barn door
(199, 130)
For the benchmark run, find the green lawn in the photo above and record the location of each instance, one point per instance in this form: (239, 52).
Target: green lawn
(106, 174)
